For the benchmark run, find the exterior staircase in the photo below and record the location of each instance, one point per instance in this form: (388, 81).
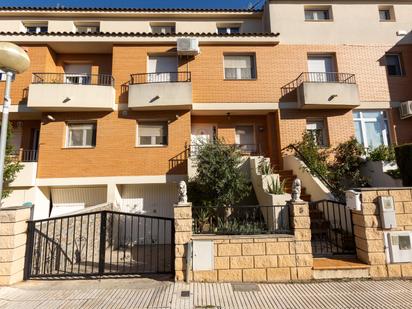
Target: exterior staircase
(289, 177)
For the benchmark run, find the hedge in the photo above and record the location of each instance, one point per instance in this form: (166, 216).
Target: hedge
(404, 160)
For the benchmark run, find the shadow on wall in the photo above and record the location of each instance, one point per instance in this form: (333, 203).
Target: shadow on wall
(400, 89)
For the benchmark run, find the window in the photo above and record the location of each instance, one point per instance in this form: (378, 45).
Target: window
(76, 73)
(36, 28)
(386, 13)
(165, 68)
(88, 28)
(228, 30)
(152, 133)
(239, 67)
(163, 29)
(393, 65)
(245, 138)
(81, 135)
(2, 76)
(371, 128)
(317, 14)
(317, 128)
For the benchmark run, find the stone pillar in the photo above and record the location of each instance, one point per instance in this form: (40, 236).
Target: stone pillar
(13, 235)
(183, 235)
(300, 224)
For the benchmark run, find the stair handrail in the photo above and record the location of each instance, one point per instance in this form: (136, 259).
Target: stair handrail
(305, 160)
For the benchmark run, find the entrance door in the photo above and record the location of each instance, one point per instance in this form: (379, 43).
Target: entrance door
(201, 133)
(320, 68)
(245, 137)
(164, 66)
(78, 73)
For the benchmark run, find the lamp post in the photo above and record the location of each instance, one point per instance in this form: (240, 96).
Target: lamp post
(13, 60)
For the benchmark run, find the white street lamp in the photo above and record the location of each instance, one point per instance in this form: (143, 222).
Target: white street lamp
(13, 60)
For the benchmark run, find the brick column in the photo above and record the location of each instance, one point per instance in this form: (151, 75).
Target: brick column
(13, 235)
(300, 223)
(183, 235)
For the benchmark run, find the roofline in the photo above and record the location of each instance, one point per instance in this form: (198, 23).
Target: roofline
(143, 10)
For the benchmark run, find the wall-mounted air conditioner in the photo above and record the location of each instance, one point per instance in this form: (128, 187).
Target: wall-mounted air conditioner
(406, 109)
(398, 246)
(188, 46)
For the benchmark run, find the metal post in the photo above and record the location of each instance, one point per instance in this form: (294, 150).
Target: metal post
(4, 123)
(188, 261)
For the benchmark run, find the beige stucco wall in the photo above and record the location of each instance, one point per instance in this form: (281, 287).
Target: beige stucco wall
(61, 26)
(82, 97)
(353, 23)
(152, 96)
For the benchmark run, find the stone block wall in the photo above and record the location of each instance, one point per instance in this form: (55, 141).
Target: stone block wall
(250, 258)
(369, 234)
(13, 229)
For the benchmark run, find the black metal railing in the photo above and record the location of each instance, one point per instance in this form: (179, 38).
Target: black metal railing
(241, 220)
(164, 77)
(99, 243)
(74, 79)
(29, 155)
(245, 149)
(313, 171)
(332, 229)
(319, 77)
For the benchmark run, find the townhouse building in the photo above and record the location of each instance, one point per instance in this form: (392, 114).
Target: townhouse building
(114, 98)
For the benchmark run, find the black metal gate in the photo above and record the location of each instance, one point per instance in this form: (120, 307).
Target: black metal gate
(99, 243)
(332, 229)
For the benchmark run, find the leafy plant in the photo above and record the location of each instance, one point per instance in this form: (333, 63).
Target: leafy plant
(382, 153)
(276, 187)
(219, 179)
(11, 165)
(314, 157)
(265, 168)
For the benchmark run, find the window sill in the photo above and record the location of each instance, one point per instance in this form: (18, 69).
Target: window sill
(151, 146)
(240, 80)
(85, 147)
(319, 20)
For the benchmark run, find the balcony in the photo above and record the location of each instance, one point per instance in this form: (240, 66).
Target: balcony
(71, 92)
(27, 175)
(166, 91)
(325, 90)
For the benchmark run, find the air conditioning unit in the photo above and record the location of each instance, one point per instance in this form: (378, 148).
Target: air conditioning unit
(406, 109)
(188, 46)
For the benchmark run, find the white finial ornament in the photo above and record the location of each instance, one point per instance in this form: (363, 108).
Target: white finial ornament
(296, 190)
(182, 192)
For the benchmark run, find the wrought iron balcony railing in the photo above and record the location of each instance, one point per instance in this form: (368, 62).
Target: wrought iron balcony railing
(164, 77)
(74, 79)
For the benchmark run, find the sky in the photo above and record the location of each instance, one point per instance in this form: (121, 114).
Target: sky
(134, 3)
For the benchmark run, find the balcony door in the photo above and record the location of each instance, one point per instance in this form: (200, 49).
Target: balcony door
(319, 66)
(164, 67)
(201, 133)
(245, 138)
(77, 73)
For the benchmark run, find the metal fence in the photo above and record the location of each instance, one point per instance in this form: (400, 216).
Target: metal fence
(163, 77)
(245, 149)
(332, 229)
(241, 220)
(74, 79)
(99, 243)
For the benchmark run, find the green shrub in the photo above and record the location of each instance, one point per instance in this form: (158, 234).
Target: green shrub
(404, 161)
(219, 180)
(382, 153)
(276, 187)
(265, 168)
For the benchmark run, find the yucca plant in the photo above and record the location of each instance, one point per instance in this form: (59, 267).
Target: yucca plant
(265, 168)
(276, 187)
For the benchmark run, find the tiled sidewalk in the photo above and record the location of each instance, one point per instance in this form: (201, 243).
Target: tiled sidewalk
(145, 293)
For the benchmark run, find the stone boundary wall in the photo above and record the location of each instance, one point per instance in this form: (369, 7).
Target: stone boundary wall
(249, 258)
(13, 235)
(369, 234)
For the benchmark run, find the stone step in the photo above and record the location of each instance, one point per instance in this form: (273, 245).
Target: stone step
(339, 268)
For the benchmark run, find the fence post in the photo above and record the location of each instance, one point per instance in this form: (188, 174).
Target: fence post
(300, 223)
(29, 250)
(182, 236)
(102, 245)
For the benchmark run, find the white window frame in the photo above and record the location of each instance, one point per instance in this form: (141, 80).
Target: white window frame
(253, 75)
(84, 27)
(315, 11)
(324, 130)
(93, 124)
(165, 122)
(37, 26)
(164, 29)
(384, 123)
(228, 29)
